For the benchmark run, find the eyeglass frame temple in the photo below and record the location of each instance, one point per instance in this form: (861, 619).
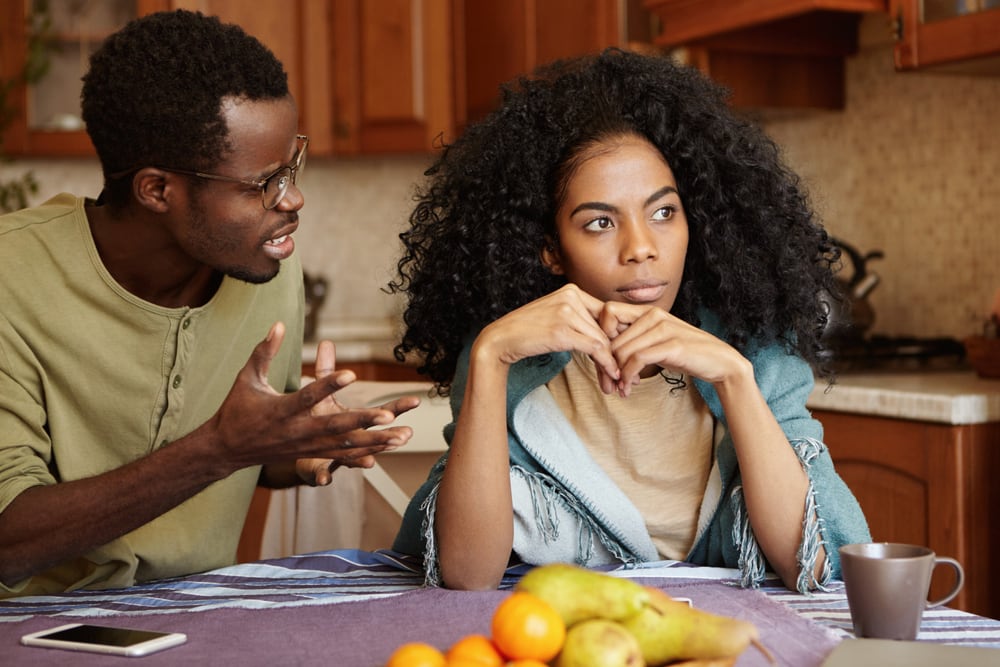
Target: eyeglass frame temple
(262, 183)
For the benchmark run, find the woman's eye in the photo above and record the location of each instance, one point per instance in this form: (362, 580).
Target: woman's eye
(664, 213)
(599, 224)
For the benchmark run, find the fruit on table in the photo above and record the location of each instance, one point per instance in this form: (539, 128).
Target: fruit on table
(526, 626)
(599, 642)
(567, 616)
(579, 594)
(474, 650)
(416, 654)
(669, 630)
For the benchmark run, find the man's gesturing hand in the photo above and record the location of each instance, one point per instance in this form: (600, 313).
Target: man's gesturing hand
(257, 425)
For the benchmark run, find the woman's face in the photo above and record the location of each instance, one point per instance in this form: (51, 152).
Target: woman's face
(622, 231)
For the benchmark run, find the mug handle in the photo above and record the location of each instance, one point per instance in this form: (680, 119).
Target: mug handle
(959, 580)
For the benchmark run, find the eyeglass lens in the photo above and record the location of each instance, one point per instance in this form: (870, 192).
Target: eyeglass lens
(277, 185)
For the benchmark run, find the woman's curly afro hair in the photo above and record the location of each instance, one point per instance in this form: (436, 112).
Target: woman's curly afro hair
(154, 90)
(757, 259)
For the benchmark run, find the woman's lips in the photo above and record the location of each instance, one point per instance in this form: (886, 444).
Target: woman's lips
(642, 292)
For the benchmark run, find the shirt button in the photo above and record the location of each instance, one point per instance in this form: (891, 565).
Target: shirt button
(186, 324)
(177, 381)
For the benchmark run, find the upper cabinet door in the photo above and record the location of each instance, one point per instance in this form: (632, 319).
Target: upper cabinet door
(963, 34)
(686, 21)
(498, 41)
(768, 53)
(410, 74)
(393, 75)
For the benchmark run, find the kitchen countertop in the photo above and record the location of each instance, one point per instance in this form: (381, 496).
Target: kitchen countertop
(947, 397)
(365, 340)
(353, 350)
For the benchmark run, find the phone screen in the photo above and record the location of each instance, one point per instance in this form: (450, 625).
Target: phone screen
(104, 639)
(99, 634)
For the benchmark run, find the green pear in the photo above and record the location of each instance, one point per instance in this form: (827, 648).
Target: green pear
(579, 594)
(670, 630)
(599, 642)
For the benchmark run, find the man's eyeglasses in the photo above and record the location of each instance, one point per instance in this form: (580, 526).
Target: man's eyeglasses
(272, 188)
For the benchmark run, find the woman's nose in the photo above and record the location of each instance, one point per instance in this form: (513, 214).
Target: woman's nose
(637, 243)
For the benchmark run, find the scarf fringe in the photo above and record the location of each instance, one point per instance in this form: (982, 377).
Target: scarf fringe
(807, 449)
(432, 569)
(546, 497)
(751, 560)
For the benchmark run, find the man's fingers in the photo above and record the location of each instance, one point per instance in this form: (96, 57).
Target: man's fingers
(322, 387)
(367, 461)
(373, 441)
(326, 358)
(265, 351)
(401, 404)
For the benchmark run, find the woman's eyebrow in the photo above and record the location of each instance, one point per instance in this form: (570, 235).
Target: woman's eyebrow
(609, 208)
(593, 206)
(659, 194)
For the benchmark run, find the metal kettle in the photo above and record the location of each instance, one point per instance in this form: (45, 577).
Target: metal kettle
(850, 313)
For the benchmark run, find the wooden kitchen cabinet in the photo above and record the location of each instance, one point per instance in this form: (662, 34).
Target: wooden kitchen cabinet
(930, 484)
(769, 53)
(497, 41)
(370, 76)
(45, 119)
(968, 42)
(298, 31)
(412, 74)
(392, 65)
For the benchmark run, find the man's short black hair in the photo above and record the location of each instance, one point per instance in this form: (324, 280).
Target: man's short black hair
(153, 94)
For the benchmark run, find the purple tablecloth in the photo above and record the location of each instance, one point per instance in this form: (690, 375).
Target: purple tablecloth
(348, 609)
(364, 634)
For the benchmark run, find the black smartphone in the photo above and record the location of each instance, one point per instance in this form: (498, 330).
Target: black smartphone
(104, 639)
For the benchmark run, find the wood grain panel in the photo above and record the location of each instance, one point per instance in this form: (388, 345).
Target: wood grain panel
(930, 484)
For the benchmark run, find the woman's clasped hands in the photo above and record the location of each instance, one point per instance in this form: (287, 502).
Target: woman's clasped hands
(626, 341)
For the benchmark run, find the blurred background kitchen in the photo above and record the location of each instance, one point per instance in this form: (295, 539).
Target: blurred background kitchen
(886, 108)
(902, 161)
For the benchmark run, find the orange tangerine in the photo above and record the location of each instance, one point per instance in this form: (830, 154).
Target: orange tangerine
(526, 626)
(416, 654)
(474, 651)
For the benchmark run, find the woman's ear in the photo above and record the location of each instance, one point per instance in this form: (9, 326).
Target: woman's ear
(150, 187)
(550, 256)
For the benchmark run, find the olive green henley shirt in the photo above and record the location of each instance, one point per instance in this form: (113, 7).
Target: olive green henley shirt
(92, 378)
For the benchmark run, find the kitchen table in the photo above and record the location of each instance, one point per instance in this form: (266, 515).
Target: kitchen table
(353, 608)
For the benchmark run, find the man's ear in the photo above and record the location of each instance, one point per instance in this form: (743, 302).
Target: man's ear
(550, 256)
(151, 188)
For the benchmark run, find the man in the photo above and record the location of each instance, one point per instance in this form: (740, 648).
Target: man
(150, 340)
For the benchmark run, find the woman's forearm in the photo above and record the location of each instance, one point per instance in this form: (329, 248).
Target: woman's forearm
(474, 519)
(774, 482)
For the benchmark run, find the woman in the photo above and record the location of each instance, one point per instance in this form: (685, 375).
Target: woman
(617, 282)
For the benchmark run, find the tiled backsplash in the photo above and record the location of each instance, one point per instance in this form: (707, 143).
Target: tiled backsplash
(912, 168)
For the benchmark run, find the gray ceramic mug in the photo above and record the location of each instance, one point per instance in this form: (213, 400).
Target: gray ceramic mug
(887, 586)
